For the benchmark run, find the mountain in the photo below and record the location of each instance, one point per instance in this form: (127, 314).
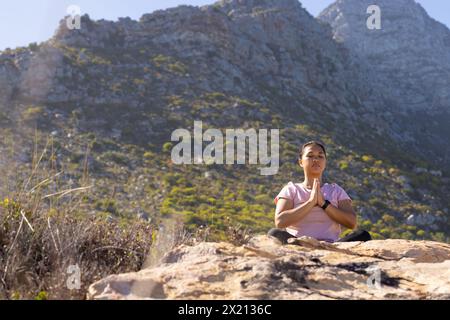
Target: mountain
(409, 60)
(110, 95)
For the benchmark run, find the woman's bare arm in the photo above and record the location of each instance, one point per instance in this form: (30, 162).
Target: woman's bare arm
(344, 214)
(286, 215)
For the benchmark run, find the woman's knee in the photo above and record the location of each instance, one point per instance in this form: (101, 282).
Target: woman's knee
(272, 232)
(363, 235)
(366, 235)
(280, 234)
(358, 235)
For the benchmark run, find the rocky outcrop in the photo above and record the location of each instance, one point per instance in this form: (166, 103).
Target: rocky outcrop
(303, 269)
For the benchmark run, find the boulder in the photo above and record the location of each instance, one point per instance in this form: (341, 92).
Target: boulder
(303, 269)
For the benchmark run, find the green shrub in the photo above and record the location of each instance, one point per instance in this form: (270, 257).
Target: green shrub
(42, 295)
(215, 96)
(167, 147)
(176, 101)
(161, 59)
(34, 47)
(406, 235)
(376, 236)
(108, 205)
(117, 157)
(178, 67)
(343, 165)
(388, 219)
(32, 113)
(366, 224)
(420, 233)
(378, 204)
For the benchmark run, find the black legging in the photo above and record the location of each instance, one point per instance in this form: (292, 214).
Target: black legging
(283, 235)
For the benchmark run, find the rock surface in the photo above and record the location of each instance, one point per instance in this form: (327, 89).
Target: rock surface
(304, 269)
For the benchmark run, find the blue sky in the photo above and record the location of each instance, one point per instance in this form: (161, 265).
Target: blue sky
(26, 21)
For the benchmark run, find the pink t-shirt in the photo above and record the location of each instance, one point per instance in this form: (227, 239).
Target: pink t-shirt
(316, 223)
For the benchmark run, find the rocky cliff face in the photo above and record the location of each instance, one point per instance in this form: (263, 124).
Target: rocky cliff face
(411, 50)
(264, 50)
(305, 269)
(409, 63)
(269, 51)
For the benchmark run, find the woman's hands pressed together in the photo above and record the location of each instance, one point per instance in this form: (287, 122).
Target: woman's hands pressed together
(316, 196)
(320, 199)
(313, 195)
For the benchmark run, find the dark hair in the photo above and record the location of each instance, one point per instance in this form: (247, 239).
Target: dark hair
(313, 142)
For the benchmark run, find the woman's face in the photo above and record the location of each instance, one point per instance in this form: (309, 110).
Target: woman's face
(313, 160)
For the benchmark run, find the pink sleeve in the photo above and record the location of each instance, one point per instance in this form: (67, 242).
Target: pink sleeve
(342, 195)
(286, 192)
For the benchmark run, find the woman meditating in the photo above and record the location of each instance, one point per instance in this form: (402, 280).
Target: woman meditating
(312, 208)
